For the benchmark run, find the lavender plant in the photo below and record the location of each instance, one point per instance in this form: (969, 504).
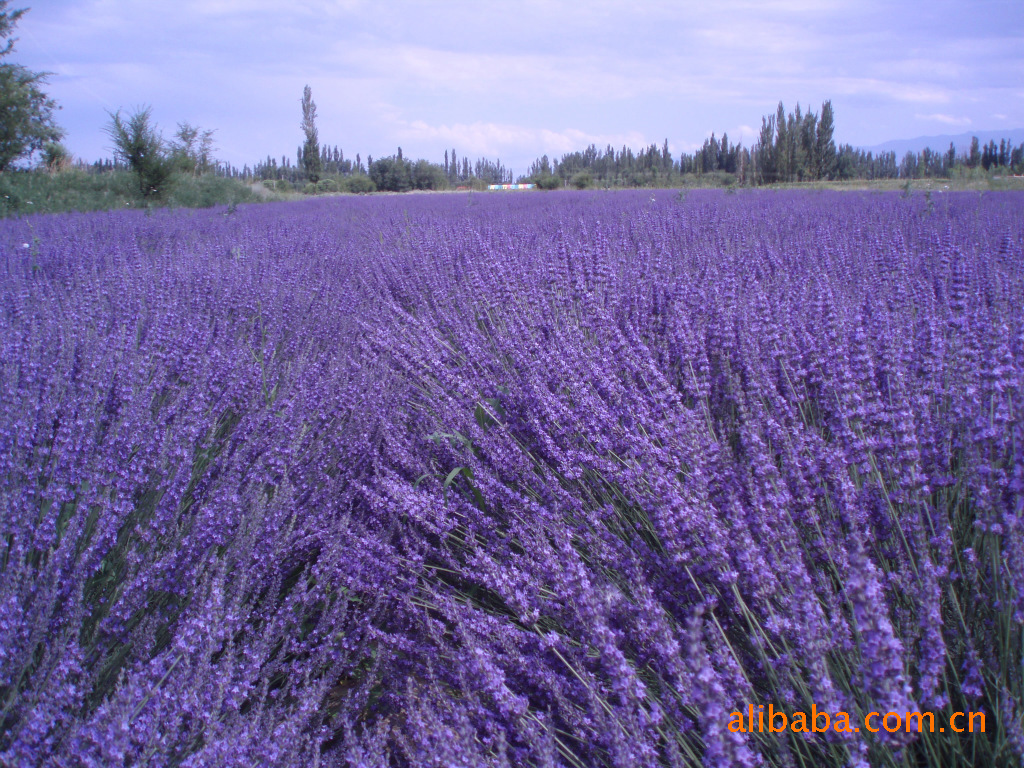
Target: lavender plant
(553, 482)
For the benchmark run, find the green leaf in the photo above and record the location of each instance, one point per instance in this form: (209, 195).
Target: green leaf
(453, 474)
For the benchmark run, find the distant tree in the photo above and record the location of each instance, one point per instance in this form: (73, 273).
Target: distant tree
(808, 150)
(311, 147)
(794, 126)
(974, 156)
(138, 144)
(542, 174)
(824, 144)
(192, 149)
(427, 175)
(392, 174)
(26, 113)
(582, 180)
(541, 167)
(491, 172)
(781, 148)
(56, 157)
(358, 183)
(990, 155)
(1017, 158)
(764, 154)
(909, 166)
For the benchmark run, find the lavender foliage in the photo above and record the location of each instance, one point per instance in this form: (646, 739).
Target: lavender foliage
(551, 480)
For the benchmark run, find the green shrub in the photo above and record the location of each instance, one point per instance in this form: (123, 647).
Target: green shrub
(138, 143)
(279, 185)
(359, 184)
(188, 191)
(546, 181)
(582, 180)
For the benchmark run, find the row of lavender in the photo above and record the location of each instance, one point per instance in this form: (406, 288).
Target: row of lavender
(550, 480)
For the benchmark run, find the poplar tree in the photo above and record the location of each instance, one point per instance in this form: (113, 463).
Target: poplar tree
(825, 146)
(311, 149)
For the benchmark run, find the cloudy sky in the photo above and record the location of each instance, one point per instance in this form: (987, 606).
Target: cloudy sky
(512, 80)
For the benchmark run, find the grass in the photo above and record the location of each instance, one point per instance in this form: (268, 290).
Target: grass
(27, 192)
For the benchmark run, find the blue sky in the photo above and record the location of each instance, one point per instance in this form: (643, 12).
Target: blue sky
(512, 80)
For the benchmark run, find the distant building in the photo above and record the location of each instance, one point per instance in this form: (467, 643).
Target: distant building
(511, 186)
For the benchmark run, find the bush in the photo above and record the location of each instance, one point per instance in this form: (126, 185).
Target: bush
(279, 185)
(427, 175)
(139, 144)
(546, 181)
(358, 184)
(392, 174)
(326, 186)
(56, 157)
(206, 191)
(582, 180)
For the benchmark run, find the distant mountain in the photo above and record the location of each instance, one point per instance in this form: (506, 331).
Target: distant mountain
(962, 142)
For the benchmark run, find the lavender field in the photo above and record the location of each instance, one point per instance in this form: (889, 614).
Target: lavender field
(545, 480)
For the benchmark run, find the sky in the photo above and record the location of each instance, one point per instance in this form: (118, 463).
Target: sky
(513, 80)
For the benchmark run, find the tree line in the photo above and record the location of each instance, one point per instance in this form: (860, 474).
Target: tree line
(792, 146)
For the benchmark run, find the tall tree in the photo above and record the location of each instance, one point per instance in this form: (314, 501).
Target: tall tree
(781, 153)
(764, 153)
(974, 157)
(808, 146)
(26, 113)
(311, 148)
(825, 146)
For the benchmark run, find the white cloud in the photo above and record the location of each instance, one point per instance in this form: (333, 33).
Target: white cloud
(914, 92)
(946, 119)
